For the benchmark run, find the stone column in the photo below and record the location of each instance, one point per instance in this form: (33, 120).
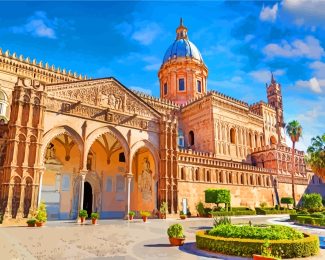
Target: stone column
(41, 173)
(128, 176)
(83, 177)
(8, 212)
(20, 212)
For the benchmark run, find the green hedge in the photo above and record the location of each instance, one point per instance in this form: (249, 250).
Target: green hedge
(310, 220)
(267, 211)
(271, 232)
(293, 217)
(233, 213)
(304, 247)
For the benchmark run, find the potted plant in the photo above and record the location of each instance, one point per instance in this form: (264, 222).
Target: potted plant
(83, 215)
(145, 215)
(131, 215)
(175, 234)
(31, 222)
(163, 210)
(182, 215)
(41, 215)
(200, 209)
(94, 217)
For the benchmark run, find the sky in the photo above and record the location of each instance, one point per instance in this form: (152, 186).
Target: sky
(240, 42)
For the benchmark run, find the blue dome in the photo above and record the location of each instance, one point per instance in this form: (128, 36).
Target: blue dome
(182, 48)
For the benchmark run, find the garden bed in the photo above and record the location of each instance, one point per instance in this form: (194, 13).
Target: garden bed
(285, 248)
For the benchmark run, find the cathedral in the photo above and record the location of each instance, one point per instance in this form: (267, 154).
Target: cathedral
(78, 143)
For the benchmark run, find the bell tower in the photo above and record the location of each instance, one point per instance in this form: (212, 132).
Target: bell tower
(183, 74)
(274, 97)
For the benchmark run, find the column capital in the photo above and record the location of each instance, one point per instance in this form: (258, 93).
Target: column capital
(128, 175)
(83, 173)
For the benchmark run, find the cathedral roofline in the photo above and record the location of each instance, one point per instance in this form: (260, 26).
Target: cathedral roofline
(41, 65)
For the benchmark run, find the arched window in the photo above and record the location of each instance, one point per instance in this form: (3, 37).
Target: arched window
(180, 138)
(191, 138)
(250, 140)
(261, 140)
(255, 140)
(3, 105)
(208, 176)
(232, 135)
(165, 89)
(197, 178)
(242, 179)
(182, 174)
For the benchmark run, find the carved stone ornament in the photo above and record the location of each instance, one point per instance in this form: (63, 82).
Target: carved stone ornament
(145, 181)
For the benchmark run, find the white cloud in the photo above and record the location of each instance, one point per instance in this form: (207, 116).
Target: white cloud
(308, 48)
(268, 13)
(310, 12)
(264, 75)
(314, 84)
(317, 82)
(141, 89)
(319, 68)
(310, 114)
(144, 32)
(38, 25)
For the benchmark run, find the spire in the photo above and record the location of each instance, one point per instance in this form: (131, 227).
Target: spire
(181, 31)
(272, 78)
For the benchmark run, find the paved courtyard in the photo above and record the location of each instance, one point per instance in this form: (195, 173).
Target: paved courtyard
(112, 239)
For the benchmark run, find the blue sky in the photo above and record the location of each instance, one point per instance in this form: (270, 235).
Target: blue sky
(241, 42)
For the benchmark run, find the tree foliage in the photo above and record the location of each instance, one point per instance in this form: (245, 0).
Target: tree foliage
(294, 130)
(217, 196)
(312, 201)
(316, 155)
(287, 200)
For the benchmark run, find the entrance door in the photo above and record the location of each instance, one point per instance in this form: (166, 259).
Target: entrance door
(88, 198)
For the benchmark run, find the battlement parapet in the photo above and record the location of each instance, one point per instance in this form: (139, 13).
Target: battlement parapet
(34, 69)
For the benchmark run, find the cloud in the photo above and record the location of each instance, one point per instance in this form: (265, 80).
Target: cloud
(268, 13)
(264, 75)
(305, 11)
(310, 114)
(143, 32)
(308, 48)
(317, 82)
(38, 25)
(141, 89)
(314, 84)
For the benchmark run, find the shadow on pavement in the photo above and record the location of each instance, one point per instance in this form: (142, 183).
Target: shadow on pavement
(158, 245)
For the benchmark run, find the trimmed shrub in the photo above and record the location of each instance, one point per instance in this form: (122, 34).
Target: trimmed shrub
(317, 215)
(217, 196)
(311, 221)
(312, 201)
(272, 232)
(293, 217)
(200, 208)
(287, 200)
(233, 213)
(267, 211)
(303, 247)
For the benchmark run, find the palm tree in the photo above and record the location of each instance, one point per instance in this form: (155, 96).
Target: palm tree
(316, 155)
(294, 130)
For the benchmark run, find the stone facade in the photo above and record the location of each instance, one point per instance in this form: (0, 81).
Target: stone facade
(95, 144)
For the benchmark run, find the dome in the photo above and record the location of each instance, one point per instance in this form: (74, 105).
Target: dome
(182, 46)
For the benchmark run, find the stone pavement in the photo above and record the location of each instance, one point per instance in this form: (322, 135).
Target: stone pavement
(112, 239)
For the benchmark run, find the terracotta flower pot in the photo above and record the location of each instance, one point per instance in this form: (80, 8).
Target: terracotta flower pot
(182, 216)
(176, 241)
(130, 217)
(144, 218)
(260, 257)
(82, 220)
(39, 224)
(31, 224)
(94, 221)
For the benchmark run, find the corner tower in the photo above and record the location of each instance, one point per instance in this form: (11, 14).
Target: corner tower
(274, 98)
(183, 74)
